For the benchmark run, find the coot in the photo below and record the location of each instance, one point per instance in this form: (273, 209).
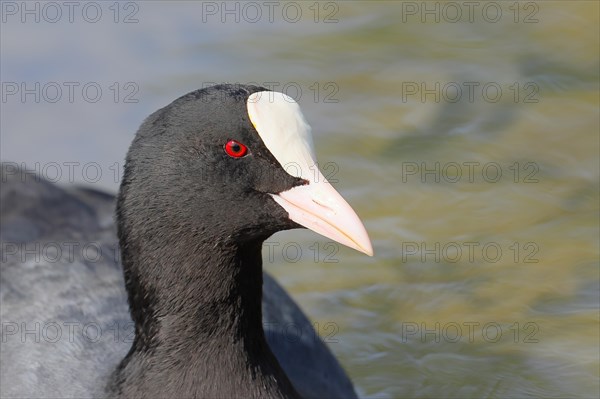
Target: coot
(207, 180)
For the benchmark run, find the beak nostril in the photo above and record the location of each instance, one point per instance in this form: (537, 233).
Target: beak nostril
(324, 205)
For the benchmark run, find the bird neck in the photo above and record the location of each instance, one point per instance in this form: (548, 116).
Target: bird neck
(198, 321)
(209, 291)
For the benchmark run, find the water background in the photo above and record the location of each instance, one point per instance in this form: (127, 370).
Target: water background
(465, 136)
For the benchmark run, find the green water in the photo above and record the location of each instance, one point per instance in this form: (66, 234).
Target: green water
(517, 253)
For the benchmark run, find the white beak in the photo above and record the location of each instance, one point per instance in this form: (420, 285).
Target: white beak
(318, 206)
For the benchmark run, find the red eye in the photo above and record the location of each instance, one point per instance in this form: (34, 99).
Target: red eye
(235, 149)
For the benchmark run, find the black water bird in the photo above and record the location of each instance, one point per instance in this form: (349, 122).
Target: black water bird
(207, 180)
